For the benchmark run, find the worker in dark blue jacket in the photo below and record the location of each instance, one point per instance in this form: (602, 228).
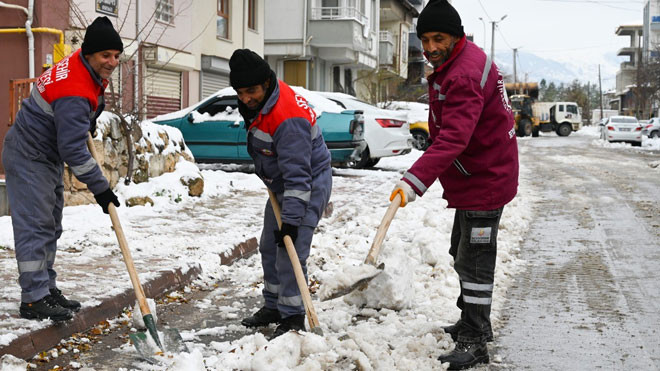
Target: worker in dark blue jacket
(50, 129)
(293, 161)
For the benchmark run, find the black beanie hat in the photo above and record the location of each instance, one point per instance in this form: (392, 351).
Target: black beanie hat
(247, 68)
(101, 35)
(439, 16)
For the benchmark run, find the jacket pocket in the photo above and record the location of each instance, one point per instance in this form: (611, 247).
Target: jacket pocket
(461, 168)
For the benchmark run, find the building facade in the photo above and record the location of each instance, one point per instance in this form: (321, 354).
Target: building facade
(626, 77)
(325, 45)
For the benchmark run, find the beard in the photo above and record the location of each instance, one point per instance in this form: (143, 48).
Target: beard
(443, 54)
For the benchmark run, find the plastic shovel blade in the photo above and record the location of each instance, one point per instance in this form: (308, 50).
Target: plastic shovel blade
(147, 348)
(360, 284)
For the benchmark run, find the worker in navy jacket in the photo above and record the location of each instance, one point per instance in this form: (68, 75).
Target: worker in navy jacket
(292, 159)
(52, 128)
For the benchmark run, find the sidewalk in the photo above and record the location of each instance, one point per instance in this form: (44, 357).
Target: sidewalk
(26, 338)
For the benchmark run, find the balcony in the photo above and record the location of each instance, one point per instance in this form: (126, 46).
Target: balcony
(628, 50)
(343, 35)
(337, 13)
(386, 50)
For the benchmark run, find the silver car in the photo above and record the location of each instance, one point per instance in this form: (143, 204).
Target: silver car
(652, 128)
(622, 129)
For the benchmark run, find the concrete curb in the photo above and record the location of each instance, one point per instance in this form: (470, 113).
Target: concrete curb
(30, 344)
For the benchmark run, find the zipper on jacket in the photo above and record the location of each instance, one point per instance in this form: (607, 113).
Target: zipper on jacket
(460, 168)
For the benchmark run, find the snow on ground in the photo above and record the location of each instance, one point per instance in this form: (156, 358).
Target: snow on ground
(401, 312)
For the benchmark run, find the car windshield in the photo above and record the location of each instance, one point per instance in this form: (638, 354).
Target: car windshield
(624, 120)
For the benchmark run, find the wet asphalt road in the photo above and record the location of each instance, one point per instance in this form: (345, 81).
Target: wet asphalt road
(589, 297)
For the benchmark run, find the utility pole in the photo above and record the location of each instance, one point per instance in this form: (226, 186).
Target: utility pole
(600, 88)
(589, 102)
(515, 73)
(492, 39)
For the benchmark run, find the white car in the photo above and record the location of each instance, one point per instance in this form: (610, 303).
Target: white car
(387, 132)
(622, 129)
(652, 128)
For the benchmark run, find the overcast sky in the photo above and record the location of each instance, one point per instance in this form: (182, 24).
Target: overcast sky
(556, 29)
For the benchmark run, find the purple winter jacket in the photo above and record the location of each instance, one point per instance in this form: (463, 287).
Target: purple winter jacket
(474, 151)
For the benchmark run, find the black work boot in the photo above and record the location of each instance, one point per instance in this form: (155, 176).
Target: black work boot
(452, 330)
(466, 355)
(47, 307)
(295, 322)
(71, 305)
(263, 317)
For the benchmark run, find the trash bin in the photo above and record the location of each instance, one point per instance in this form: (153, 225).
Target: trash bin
(4, 203)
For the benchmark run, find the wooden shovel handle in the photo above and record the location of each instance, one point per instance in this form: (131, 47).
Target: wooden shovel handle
(123, 245)
(297, 268)
(382, 230)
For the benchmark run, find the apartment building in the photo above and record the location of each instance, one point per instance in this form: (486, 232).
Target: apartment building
(326, 45)
(626, 77)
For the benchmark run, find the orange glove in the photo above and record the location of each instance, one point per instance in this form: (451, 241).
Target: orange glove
(405, 190)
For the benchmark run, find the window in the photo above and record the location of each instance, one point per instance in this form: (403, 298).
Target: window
(561, 108)
(222, 104)
(252, 14)
(329, 9)
(223, 19)
(165, 10)
(572, 109)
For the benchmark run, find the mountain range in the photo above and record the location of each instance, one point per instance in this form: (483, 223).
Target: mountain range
(561, 68)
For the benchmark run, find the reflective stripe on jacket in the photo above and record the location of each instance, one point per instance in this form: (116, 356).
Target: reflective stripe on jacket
(289, 151)
(474, 151)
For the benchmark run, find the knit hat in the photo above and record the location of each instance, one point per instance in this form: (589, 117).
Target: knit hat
(101, 35)
(439, 16)
(247, 68)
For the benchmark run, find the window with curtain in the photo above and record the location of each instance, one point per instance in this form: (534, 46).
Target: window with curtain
(223, 19)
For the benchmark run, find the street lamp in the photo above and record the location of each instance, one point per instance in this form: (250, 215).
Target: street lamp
(492, 40)
(484, 23)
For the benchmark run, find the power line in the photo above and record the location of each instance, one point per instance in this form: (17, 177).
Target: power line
(595, 2)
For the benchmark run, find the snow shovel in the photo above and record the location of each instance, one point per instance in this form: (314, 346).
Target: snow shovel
(297, 270)
(140, 339)
(372, 255)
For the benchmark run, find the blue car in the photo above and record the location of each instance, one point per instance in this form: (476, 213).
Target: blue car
(214, 130)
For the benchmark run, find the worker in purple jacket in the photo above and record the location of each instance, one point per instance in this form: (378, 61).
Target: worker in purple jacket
(473, 152)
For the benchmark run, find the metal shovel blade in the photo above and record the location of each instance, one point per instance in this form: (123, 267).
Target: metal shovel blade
(360, 284)
(147, 348)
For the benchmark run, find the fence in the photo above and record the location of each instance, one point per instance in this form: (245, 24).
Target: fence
(19, 89)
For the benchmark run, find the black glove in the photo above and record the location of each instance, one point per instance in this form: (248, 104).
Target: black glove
(105, 198)
(92, 127)
(287, 230)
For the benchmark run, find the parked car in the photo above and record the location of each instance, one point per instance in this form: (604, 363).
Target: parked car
(386, 132)
(418, 119)
(622, 129)
(652, 128)
(214, 130)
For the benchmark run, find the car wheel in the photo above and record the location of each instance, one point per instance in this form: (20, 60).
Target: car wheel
(373, 161)
(654, 134)
(564, 130)
(535, 131)
(420, 139)
(364, 160)
(524, 128)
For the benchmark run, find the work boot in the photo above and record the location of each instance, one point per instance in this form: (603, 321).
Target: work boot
(71, 305)
(452, 330)
(47, 307)
(295, 322)
(466, 355)
(263, 317)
